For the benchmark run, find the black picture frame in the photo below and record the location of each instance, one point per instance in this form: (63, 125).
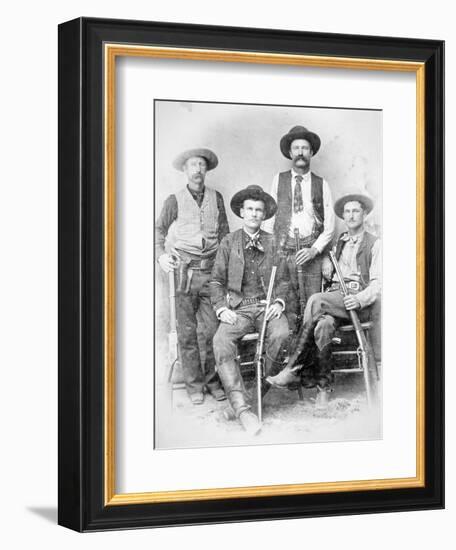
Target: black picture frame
(81, 476)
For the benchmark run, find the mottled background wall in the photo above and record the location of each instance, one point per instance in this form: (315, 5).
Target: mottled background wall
(246, 141)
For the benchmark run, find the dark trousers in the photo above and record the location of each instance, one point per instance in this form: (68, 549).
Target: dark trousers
(249, 319)
(312, 282)
(323, 314)
(188, 306)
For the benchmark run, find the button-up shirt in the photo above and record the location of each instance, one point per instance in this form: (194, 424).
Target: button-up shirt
(349, 268)
(304, 220)
(252, 286)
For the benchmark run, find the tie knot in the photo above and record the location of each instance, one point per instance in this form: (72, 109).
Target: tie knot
(299, 179)
(254, 242)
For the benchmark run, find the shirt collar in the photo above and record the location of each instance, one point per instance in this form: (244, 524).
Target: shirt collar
(249, 236)
(356, 239)
(305, 177)
(196, 193)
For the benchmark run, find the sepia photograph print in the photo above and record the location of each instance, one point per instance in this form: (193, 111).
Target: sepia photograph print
(268, 278)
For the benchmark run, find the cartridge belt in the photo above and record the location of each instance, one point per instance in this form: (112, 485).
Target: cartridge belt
(352, 286)
(204, 264)
(249, 301)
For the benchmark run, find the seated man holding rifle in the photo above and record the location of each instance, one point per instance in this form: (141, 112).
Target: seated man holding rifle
(246, 265)
(357, 255)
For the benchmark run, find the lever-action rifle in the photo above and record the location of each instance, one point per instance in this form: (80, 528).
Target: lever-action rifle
(362, 343)
(259, 359)
(173, 349)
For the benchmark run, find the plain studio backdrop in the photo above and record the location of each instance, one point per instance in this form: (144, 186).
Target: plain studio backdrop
(28, 401)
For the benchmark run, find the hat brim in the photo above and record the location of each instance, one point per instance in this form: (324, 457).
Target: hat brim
(207, 154)
(311, 137)
(238, 199)
(366, 201)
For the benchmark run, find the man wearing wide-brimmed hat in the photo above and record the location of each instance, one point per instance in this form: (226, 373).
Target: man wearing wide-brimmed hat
(304, 210)
(359, 255)
(200, 223)
(240, 280)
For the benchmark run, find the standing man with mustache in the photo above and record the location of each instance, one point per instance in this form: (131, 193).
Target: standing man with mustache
(304, 207)
(200, 223)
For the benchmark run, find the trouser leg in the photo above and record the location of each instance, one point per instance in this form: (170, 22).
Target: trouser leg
(312, 277)
(225, 350)
(312, 283)
(186, 308)
(292, 308)
(332, 311)
(316, 309)
(210, 325)
(277, 333)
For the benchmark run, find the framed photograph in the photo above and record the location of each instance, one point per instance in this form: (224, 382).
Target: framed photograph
(251, 316)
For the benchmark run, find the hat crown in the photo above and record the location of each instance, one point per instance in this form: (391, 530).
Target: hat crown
(253, 187)
(253, 192)
(298, 130)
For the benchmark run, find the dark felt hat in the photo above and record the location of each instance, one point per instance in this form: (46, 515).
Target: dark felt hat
(255, 193)
(366, 201)
(299, 132)
(207, 154)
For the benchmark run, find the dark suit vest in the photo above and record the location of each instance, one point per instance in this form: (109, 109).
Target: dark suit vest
(285, 201)
(363, 256)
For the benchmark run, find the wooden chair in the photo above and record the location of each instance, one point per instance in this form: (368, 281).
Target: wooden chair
(349, 355)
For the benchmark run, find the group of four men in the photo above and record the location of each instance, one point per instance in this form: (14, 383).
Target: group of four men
(222, 278)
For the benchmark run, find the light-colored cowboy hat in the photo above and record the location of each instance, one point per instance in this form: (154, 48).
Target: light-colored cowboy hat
(207, 154)
(299, 132)
(255, 193)
(367, 202)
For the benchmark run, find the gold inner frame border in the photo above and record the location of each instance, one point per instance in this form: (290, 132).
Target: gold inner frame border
(110, 53)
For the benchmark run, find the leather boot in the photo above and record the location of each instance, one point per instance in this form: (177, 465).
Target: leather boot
(285, 377)
(234, 386)
(323, 373)
(324, 377)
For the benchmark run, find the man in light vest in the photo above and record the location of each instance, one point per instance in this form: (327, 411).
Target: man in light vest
(200, 223)
(358, 253)
(304, 213)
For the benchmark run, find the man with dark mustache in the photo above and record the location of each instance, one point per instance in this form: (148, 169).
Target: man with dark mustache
(198, 216)
(304, 207)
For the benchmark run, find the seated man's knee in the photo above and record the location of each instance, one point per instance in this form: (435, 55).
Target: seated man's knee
(281, 330)
(224, 347)
(314, 303)
(325, 328)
